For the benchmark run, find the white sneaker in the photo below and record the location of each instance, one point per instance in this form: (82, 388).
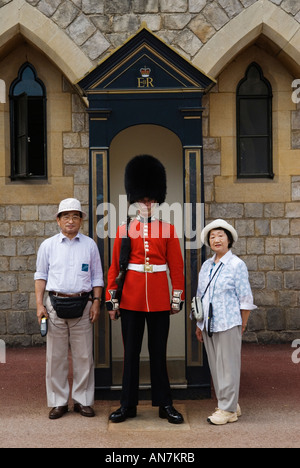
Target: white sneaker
(220, 417)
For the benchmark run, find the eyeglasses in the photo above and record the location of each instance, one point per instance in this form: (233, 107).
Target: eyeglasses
(71, 218)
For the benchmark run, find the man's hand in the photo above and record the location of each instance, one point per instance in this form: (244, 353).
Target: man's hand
(41, 312)
(114, 314)
(95, 311)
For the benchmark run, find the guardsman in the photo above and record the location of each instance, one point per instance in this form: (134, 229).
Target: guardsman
(154, 249)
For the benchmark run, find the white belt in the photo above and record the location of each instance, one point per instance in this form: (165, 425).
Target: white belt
(141, 268)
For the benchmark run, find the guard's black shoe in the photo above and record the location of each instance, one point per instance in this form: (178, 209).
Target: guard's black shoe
(122, 414)
(171, 414)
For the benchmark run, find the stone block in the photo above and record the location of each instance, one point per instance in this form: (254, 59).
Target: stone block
(257, 320)
(293, 319)
(274, 280)
(29, 213)
(15, 323)
(274, 210)
(227, 210)
(290, 246)
(276, 319)
(292, 280)
(280, 227)
(254, 210)
(255, 246)
(81, 29)
(215, 15)
(244, 227)
(20, 301)
(195, 6)
(173, 6)
(285, 262)
(5, 301)
(26, 247)
(145, 6)
(266, 262)
(93, 6)
(262, 228)
(8, 247)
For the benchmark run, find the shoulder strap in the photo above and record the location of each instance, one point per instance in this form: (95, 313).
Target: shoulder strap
(211, 280)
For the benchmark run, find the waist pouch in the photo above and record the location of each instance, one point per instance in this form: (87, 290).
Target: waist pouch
(69, 307)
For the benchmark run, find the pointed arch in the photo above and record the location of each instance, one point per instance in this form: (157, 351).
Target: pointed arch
(20, 18)
(261, 18)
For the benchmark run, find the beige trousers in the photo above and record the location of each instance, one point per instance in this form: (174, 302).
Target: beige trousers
(78, 336)
(224, 357)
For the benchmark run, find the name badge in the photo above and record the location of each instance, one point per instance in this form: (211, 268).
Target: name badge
(85, 267)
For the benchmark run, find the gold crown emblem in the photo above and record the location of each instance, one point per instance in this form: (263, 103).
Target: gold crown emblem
(145, 71)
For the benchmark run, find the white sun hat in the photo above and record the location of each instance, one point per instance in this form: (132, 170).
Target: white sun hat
(70, 204)
(218, 223)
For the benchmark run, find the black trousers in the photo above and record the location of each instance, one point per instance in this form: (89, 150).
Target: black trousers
(133, 326)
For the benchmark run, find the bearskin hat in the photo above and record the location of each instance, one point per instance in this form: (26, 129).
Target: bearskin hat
(145, 177)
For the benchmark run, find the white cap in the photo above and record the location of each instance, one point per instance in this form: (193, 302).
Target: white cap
(218, 223)
(70, 204)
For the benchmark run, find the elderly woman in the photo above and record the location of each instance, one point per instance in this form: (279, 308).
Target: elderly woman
(227, 303)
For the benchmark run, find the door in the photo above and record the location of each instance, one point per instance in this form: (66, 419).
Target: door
(166, 146)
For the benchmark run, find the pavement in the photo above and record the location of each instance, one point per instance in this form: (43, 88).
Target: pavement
(269, 398)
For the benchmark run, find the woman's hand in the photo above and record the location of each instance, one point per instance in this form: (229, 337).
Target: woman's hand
(199, 335)
(245, 316)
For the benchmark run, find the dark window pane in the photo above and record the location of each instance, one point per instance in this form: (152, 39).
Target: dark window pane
(254, 125)
(254, 116)
(254, 85)
(36, 160)
(28, 123)
(253, 158)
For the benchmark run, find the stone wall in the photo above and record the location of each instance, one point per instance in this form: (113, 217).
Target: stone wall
(22, 229)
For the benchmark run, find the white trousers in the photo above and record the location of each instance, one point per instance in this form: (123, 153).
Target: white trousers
(78, 335)
(224, 357)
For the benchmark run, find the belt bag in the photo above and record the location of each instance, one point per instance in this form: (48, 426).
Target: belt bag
(69, 307)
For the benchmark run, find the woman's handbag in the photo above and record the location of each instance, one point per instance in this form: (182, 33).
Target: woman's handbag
(197, 307)
(69, 307)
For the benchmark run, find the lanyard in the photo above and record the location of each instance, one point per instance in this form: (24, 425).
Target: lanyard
(210, 280)
(210, 311)
(217, 274)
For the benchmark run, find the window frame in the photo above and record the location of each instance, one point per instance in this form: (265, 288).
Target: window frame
(269, 174)
(21, 159)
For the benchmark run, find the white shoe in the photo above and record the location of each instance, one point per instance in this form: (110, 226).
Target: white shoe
(220, 417)
(238, 411)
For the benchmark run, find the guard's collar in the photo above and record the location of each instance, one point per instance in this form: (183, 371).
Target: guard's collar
(145, 220)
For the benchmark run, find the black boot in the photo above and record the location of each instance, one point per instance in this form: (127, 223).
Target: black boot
(171, 414)
(122, 414)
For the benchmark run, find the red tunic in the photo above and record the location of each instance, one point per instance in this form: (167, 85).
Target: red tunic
(154, 243)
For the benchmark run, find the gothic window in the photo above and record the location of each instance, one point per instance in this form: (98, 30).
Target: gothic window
(28, 125)
(254, 125)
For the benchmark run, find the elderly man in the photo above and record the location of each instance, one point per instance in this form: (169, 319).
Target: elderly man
(69, 269)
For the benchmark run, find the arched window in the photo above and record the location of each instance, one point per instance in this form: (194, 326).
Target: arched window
(28, 125)
(254, 125)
